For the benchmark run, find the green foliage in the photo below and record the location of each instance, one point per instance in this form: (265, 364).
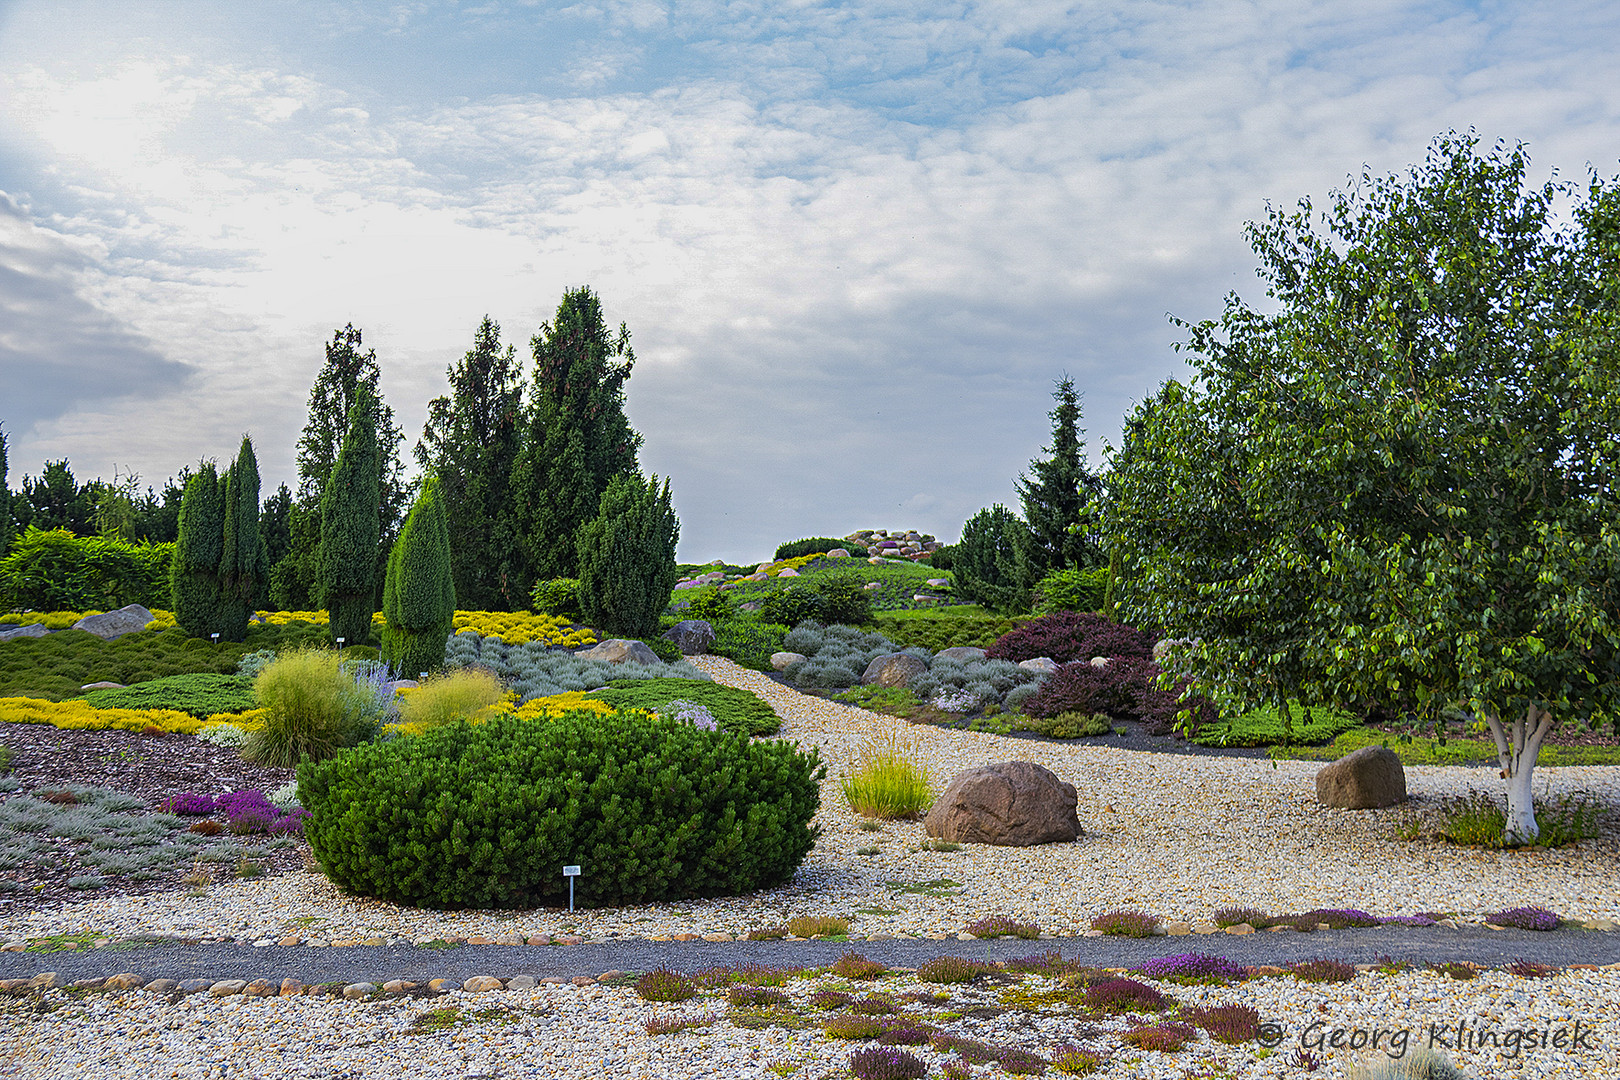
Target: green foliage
(556, 596)
(312, 709)
(885, 783)
(1266, 726)
(466, 694)
(663, 984)
(55, 500)
(709, 604)
(990, 567)
(1476, 819)
(1069, 725)
(5, 496)
(1071, 590)
(943, 630)
(627, 557)
(483, 815)
(295, 578)
(827, 598)
(1057, 498)
(471, 442)
(816, 545)
(578, 437)
(419, 597)
(750, 642)
(244, 560)
(350, 525)
(57, 571)
(1416, 750)
(194, 572)
(201, 695)
(733, 709)
(1401, 487)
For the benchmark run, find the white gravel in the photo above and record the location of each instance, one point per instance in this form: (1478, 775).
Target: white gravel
(1178, 836)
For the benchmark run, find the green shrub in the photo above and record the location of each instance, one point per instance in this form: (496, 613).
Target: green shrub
(464, 694)
(627, 557)
(351, 524)
(817, 545)
(312, 709)
(988, 567)
(485, 815)
(709, 603)
(944, 630)
(1071, 590)
(1264, 726)
(419, 598)
(556, 596)
(1069, 725)
(733, 709)
(201, 695)
(57, 571)
(840, 599)
(885, 783)
(750, 642)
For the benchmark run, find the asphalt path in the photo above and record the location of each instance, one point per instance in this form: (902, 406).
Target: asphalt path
(379, 963)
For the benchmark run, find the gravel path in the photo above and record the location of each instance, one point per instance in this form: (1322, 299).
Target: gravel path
(1176, 835)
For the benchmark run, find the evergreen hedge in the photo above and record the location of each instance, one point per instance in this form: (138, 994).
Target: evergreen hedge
(54, 570)
(487, 815)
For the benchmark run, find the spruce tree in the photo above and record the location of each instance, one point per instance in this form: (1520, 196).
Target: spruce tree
(243, 561)
(578, 436)
(471, 443)
(194, 570)
(1057, 494)
(627, 557)
(350, 526)
(419, 595)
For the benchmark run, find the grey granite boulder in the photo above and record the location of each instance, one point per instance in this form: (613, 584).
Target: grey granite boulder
(620, 651)
(31, 630)
(691, 636)
(962, 654)
(892, 669)
(780, 661)
(115, 624)
(1040, 665)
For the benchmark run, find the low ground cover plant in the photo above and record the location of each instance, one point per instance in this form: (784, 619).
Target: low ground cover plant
(533, 670)
(202, 695)
(1526, 918)
(997, 926)
(1479, 819)
(1266, 726)
(732, 709)
(1191, 968)
(495, 808)
(1126, 922)
(943, 629)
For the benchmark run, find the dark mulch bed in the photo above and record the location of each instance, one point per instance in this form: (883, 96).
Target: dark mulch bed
(149, 767)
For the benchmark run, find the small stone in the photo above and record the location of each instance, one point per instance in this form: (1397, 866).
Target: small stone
(263, 943)
(1178, 929)
(1493, 926)
(780, 661)
(480, 941)
(14, 946)
(161, 986)
(480, 984)
(522, 982)
(1277, 929)
(356, 991)
(965, 936)
(261, 988)
(125, 980)
(1091, 933)
(291, 940)
(227, 987)
(13, 984)
(1240, 928)
(375, 941)
(1206, 929)
(398, 986)
(291, 988)
(539, 939)
(934, 935)
(437, 985)
(569, 939)
(344, 943)
(609, 976)
(721, 936)
(46, 980)
(583, 980)
(509, 939)
(1040, 665)
(100, 942)
(554, 980)
(87, 984)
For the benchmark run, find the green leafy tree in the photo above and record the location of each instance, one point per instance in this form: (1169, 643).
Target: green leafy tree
(1059, 493)
(350, 526)
(419, 596)
(627, 557)
(471, 443)
(1401, 487)
(989, 562)
(194, 569)
(578, 437)
(244, 561)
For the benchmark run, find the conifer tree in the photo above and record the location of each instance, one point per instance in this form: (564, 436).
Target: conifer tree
(419, 595)
(578, 436)
(350, 526)
(5, 498)
(194, 570)
(627, 557)
(1055, 497)
(243, 563)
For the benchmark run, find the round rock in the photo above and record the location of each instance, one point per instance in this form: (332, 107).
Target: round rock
(962, 654)
(892, 669)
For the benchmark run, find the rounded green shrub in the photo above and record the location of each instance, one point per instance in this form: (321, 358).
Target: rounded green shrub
(817, 545)
(556, 596)
(487, 815)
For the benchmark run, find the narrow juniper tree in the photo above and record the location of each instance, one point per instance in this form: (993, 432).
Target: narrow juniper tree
(627, 557)
(578, 437)
(350, 526)
(419, 595)
(1058, 493)
(243, 559)
(194, 571)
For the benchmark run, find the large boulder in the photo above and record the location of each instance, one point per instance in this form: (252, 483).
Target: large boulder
(781, 661)
(892, 669)
(620, 651)
(31, 630)
(1364, 779)
(962, 654)
(115, 624)
(1013, 803)
(1040, 665)
(691, 636)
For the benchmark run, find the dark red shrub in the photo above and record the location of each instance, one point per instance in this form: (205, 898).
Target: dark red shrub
(1068, 635)
(1126, 688)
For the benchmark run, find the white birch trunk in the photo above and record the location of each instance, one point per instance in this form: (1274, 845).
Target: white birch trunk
(1516, 752)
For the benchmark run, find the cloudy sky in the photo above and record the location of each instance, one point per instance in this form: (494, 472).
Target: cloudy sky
(855, 243)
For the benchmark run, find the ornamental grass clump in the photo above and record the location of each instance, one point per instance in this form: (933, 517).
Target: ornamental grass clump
(814, 926)
(1192, 968)
(1525, 918)
(664, 984)
(998, 926)
(1124, 995)
(885, 783)
(885, 1063)
(311, 709)
(463, 694)
(1126, 922)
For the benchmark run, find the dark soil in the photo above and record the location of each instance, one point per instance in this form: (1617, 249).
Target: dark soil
(149, 767)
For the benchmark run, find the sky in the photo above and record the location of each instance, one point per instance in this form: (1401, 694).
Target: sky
(855, 244)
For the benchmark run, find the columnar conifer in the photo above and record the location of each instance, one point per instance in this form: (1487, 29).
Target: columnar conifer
(627, 557)
(194, 571)
(243, 562)
(419, 596)
(350, 525)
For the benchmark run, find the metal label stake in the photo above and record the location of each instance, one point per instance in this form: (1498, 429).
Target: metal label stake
(570, 872)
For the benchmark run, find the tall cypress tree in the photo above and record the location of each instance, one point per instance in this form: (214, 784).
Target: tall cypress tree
(471, 443)
(627, 557)
(578, 436)
(194, 569)
(350, 525)
(243, 559)
(1057, 493)
(419, 596)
